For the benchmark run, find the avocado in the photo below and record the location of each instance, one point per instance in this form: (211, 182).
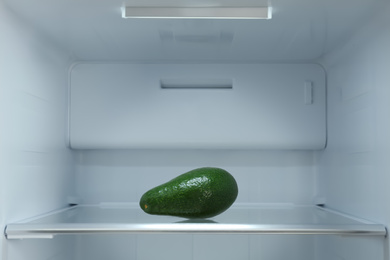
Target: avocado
(200, 193)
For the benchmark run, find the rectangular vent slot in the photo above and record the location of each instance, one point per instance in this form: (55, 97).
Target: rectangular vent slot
(196, 83)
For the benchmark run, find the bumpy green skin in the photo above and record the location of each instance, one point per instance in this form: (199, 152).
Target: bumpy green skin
(200, 193)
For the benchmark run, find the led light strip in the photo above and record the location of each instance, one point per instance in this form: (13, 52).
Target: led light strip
(198, 12)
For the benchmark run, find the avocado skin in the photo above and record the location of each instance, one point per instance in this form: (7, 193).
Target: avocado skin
(200, 193)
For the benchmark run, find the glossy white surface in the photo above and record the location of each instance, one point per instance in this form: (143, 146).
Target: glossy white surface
(124, 106)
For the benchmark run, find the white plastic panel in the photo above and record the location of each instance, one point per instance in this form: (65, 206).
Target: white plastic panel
(353, 170)
(36, 167)
(125, 106)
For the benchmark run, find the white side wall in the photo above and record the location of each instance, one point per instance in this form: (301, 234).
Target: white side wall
(36, 169)
(354, 169)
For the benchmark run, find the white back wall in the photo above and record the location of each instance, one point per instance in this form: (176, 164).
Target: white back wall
(179, 129)
(262, 176)
(196, 247)
(201, 106)
(35, 167)
(354, 168)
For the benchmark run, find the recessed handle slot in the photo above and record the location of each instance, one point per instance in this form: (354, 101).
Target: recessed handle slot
(196, 83)
(308, 92)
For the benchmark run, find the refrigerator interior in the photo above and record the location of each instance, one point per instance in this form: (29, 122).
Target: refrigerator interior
(72, 134)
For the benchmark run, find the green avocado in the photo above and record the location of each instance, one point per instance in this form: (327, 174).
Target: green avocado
(200, 193)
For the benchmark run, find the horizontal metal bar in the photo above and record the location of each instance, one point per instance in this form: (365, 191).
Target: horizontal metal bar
(17, 231)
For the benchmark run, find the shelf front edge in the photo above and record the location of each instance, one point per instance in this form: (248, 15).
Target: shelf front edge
(23, 231)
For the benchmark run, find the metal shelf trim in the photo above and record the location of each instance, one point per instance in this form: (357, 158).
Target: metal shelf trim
(35, 229)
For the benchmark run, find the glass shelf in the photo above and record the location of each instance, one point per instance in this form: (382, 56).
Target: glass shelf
(239, 219)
